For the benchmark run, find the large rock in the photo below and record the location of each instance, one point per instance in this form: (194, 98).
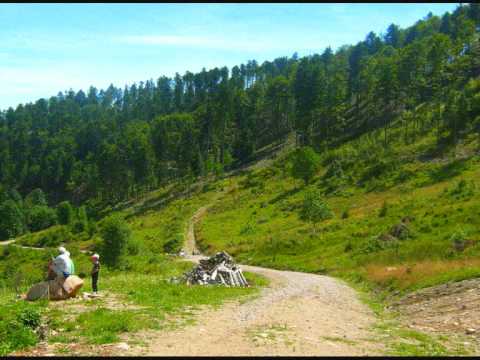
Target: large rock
(38, 291)
(72, 284)
(58, 289)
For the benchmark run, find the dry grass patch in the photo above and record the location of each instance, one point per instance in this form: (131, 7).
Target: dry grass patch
(407, 275)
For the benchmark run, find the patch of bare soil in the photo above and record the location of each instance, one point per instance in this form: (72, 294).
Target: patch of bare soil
(81, 304)
(450, 309)
(81, 349)
(73, 307)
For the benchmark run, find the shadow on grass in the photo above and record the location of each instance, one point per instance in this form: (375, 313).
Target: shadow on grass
(177, 192)
(158, 203)
(285, 195)
(447, 171)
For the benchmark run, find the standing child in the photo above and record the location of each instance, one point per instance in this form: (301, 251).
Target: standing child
(95, 271)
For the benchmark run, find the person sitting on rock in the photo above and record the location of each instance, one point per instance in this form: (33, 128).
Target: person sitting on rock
(62, 264)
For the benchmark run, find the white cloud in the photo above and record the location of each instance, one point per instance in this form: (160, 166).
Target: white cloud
(235, 43)
(169, 40)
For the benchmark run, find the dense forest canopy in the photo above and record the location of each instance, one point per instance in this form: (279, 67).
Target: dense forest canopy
(108, 145)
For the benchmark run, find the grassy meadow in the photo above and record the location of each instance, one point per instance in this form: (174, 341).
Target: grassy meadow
(370, 190)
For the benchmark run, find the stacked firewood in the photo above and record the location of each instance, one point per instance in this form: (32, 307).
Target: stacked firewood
(219, 269)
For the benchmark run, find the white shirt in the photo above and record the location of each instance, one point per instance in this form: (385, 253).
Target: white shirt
(62, 262)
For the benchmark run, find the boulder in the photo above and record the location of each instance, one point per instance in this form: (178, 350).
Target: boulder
(38, 291)
(58, 289)
(72, 285)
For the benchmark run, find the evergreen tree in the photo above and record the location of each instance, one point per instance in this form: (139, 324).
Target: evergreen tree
(65, 213)
(116, 235)
(41, 217)
(11, 220)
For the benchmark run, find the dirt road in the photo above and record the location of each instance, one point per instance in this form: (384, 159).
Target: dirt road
(8, 242)
(298, 314)
(190, 247)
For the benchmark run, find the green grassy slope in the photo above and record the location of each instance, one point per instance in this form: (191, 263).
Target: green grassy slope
(258, 220)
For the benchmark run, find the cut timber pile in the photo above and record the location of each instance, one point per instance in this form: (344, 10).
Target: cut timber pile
(219, 269)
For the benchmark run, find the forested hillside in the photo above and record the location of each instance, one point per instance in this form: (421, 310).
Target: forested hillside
(104, 146)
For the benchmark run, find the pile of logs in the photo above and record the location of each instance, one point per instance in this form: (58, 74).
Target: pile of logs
(219, 269)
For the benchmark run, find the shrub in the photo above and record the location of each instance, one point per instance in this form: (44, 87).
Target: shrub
(36, 198)
(373, 244)
(381, 167)
(173, 245)
(250, 181)
(259, 188)
(10, 194)
(11, 220)
(92, 209)
(41, 217)
(206, 187)
(81, 224)
(305, 164)
(116, 235)
(92, 228)
(54, 238)
(383, 210)
(463, 189)
(65, 213)
(134, 247)
(78, 227)
(459, 240)
(314, 208)
(249, 228)
(30, 318)
(17, 325)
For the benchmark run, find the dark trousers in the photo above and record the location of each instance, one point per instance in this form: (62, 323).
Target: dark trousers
(94, 282)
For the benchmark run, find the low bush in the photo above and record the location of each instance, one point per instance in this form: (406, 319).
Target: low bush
(134, 247)
(55, 238)
(314, 208)
(41, 217)
(249, 227)
(18, 322)
(174, 244)
(383, 210)
(462, 190)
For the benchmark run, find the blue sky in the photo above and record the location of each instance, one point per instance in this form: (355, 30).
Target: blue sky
(46, 48)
